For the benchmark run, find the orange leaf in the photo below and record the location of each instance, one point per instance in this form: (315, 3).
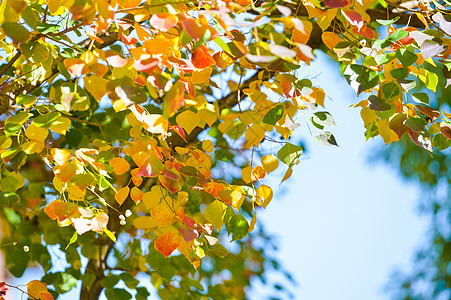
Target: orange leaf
(75, 66)
(331, 39)
(167, 243)
(122, 194)
(202, 58)
(173, 99)
(173, 185)
(120, 165)
(136, 194)
(35, 288)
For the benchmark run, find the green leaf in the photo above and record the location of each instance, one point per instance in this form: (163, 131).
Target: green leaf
(239, 227)
(219, 250)
(110, 281)
(416, 124)
(16, 32)
(142, 293)
(130, 281)
(406, 57)
(321, 119)
(399, 73)
(26, 100)
(327, 139)
(289, 154)
(19, 118)
(397, 35)
(64, 283)
(390, 90)
(117, 294)
(420, 98)
(274, 115)
(9, 184)
(441, 142)
(73, 239)
(47, 119)
(432, 81)
(236, 130)
(387, 22)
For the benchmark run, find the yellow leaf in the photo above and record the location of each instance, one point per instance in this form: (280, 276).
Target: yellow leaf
(96, 86)
(208, 116)
(207, 146)
(121, 195)
(270, 162)
(188, 120)
(76, 193)
(158, 45)
(162, 214)
(34, 132)
(254, 135)
(253, 221)
(386, 133)
(35, 287)
(145, 222)
(60, 156)
(368, 115)
(246, 174)
(155, 123)
(61, 125)
(265, 193)
(287, 174)
(213, 214)
(202, 76)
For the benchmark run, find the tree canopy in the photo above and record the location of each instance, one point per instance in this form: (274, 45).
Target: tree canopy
(137, 135)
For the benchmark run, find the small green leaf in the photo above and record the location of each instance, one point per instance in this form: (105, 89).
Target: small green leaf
(321, 119)
(16, 32)
(73, 239)
(406, 57)
(387, 22)
(327, 139)
(239, 227)
(377, 104)
(400, 73)
(26, 100)
(397, 35)
(219, 250)
(289, 154)
(274, 115)
(109, 234)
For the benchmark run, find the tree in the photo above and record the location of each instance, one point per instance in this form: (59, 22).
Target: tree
(132, 129)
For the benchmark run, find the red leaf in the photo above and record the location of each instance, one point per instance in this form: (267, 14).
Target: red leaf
(428, 112)
(421, 140)
(163, 21)
(179, 130)
(202, 58)
(3, 288)
(172, 185)
(182, 64)
(354, 18)
(167, 243)
(445, 128)
(146, 170)
(365, 31)
(286, 82)
(188, 234)
(146, 65)
(336, 3)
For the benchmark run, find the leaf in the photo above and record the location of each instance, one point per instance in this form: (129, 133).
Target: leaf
(202, 58)
(265, 193)
(400, 73)
(336, 3)
(167, 243)
(377, 104)
(109, 234)
(173, 100)
(121, 195)
(75, 66)
(61, 125)
(270, 162)
(331, 39)
(72, 240)
(390, 90)
(431, 49)
(35, 288)
(274, 115)
(321, 119)
(219, 250)
(387, 22)
(163, 21)
(188, 120)
(406, 57)
(445, 128)
(327, 139)
(290, 154)
(238, 227)
(213, 213)
(420, 98)
(47, 119)
(443, 23)
(18, 33)
(207, 145)
(120, 165)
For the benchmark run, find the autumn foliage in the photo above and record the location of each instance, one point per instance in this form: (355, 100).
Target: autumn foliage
(117, 116)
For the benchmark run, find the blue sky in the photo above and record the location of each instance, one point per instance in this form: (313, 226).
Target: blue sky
(343, 223)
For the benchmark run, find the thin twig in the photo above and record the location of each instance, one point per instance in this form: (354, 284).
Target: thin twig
(10, 63)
